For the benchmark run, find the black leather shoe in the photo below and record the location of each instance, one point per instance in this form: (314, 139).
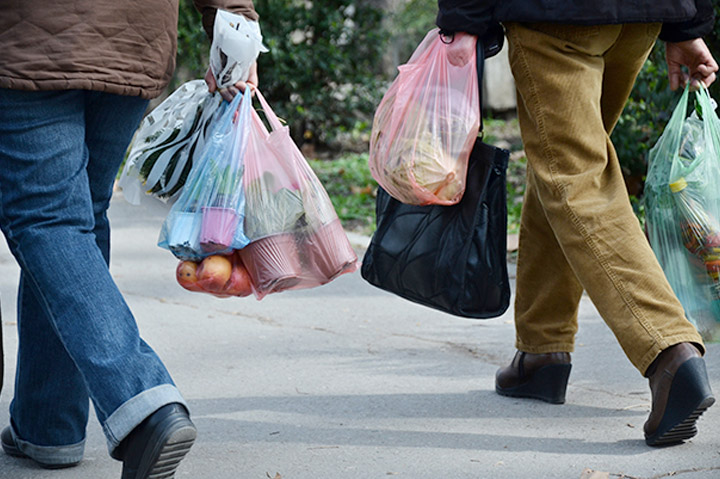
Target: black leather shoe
(537, 376)
(680, 394)
(154, 449)
(11, 449)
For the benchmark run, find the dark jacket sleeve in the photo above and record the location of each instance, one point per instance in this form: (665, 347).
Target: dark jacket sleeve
(208, 8)
(469, 16)
(698, 27)
(474, 17)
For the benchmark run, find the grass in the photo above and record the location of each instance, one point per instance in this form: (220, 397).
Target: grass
(351, 188)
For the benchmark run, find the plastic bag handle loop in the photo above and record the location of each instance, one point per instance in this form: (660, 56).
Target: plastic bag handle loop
(272, 118)
(710, 119)
(480, 60)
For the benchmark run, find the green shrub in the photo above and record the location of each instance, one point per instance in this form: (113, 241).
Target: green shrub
(322, 73)
(193, 46)
(713, 41)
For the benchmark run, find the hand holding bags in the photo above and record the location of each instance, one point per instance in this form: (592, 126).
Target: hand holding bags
(452, 258)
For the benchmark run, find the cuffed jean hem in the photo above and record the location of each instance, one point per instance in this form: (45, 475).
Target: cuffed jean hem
(134, 411)
(50, 455)
(545, 348)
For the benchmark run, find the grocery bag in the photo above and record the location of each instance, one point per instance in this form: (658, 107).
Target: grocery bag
(425, 127)
(682, 204)
(207, 218)
(297, 240)
(167, 141)
(451, 258)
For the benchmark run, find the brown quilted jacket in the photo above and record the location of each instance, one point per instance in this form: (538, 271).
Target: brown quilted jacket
(126, 47)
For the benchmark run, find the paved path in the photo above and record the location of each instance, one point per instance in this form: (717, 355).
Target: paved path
(348, 382)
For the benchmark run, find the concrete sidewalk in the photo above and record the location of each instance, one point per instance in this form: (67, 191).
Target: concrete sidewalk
(346, 381)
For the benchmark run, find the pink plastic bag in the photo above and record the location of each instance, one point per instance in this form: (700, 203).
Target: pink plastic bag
(425, 127)
(296, 239)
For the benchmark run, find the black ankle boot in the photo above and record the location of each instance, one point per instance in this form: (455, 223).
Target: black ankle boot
(537, 376)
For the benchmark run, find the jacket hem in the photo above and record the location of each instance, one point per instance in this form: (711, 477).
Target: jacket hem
(54, 84)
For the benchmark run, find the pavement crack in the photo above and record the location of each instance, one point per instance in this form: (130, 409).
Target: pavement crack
(261, 319)
(460, 347)
(611, 393)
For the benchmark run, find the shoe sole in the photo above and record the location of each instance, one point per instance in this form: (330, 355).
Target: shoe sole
(14, 451)
(173, 442)
(689, 397)
(549, 384)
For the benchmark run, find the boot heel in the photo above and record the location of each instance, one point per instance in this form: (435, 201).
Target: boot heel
(689, 397)
(549, 384)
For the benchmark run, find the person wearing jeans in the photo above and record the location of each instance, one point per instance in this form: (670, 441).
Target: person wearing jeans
(75, 80)
(574, 65)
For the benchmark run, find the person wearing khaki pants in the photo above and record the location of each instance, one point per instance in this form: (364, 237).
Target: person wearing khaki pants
(578, 231)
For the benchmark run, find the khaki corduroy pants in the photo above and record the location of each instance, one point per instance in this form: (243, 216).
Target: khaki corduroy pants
(578, 231)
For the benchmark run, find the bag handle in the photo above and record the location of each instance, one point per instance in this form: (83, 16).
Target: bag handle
(275, 123)
(480, 60)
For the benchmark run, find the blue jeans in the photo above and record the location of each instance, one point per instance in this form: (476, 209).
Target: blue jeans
(78, 340)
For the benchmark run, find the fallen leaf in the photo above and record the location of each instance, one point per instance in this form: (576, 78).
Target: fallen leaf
(590, 474)
(357, 190)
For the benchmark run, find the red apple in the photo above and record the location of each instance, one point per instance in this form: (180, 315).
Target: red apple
(214, 273)
(186, 275)
(239, 284)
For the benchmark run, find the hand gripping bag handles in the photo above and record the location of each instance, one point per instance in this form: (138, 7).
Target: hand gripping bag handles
(451, 258)
(425, 127)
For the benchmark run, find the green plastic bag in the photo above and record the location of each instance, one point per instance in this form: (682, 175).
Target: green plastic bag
(682, 206)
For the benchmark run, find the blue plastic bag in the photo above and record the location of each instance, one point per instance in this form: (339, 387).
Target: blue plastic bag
(208, 216)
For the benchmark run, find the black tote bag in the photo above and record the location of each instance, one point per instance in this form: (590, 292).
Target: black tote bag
(451, 258)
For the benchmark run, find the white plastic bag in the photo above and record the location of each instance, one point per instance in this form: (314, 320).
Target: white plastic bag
(168, 139)
(237, 42)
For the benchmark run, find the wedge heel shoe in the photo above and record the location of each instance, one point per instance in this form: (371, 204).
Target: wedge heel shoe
(689, 397)
(549, 384)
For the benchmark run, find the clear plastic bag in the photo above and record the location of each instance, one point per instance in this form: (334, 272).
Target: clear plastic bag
(297, 240)
(682, 201)
(167, 142)
(207, 218)
(425, 127)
